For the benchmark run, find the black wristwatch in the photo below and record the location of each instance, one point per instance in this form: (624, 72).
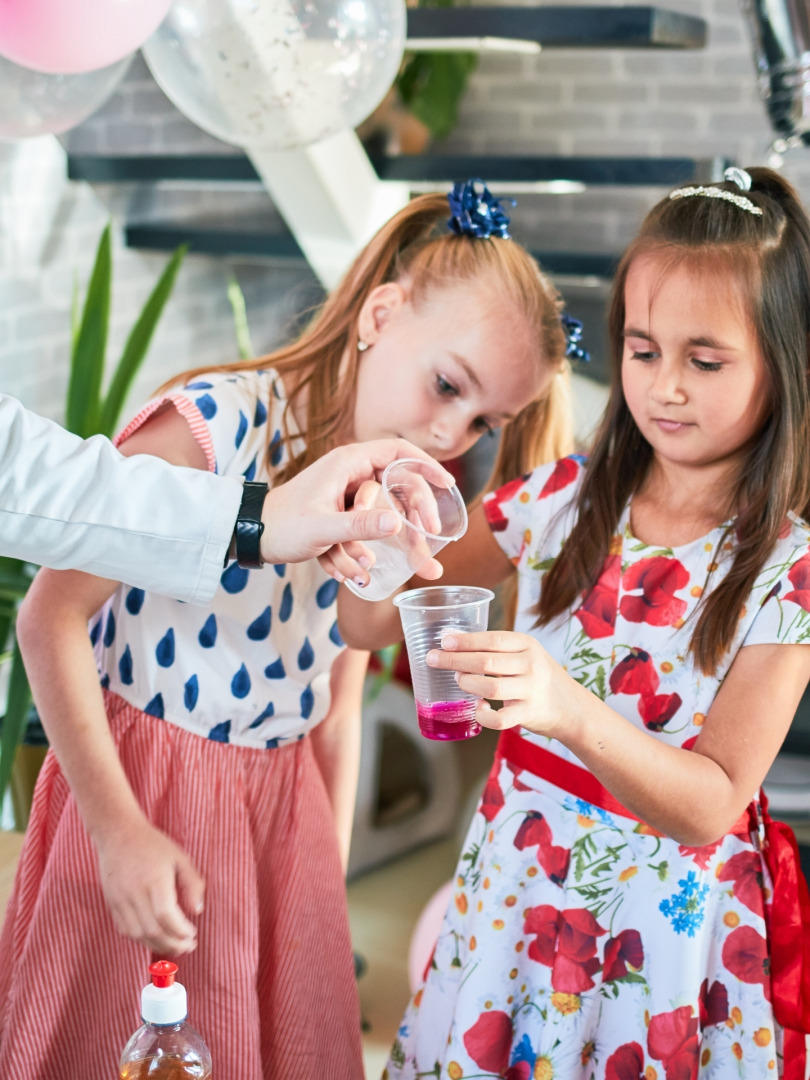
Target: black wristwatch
(249, 526)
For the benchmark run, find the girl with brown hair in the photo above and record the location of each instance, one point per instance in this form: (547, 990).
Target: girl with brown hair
(624, 906)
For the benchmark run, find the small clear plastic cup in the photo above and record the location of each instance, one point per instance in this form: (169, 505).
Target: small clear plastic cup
(442, 709)
(432, 516)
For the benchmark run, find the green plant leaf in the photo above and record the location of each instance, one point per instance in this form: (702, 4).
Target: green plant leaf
(19, 700)
(83, 407)
(137, 344)
(432, 84)
(237, 300)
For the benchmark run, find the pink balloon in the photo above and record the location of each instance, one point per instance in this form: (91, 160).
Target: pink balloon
(69, 37)
(426, 934)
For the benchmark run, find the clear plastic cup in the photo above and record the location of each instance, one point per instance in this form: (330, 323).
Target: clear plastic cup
(431, 515)
(443, 710)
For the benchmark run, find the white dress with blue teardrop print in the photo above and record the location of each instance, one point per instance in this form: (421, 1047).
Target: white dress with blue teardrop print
(251, 668)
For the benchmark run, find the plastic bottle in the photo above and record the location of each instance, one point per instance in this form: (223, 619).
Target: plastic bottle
(166, 1047)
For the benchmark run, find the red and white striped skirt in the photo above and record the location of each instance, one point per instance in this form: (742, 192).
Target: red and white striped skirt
(271, 983)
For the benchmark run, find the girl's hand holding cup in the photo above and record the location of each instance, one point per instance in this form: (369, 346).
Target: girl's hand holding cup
(506, 666)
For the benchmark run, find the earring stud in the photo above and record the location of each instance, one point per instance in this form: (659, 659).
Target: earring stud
(362, 346)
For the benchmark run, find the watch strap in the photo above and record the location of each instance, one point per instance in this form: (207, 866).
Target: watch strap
(249, 525)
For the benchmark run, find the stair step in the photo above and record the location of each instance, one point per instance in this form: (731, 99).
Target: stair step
(417, 168)
(564, 26)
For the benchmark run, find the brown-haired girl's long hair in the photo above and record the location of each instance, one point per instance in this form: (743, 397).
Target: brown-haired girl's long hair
(768, 258)
(416, 245)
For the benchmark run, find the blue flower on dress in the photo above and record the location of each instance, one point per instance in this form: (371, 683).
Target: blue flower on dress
(275, 670)
(334, 635)
(280, 568)
(523, 1051)
(155, 707)
(241, 431)
(207, 637)
(260, 415)
(240, 683)
(105, 681)
(191, 691)
(260, 627)
(266, 714)
(164, 653)
(95, 632)
(684, 909)
(134, 601)
(285, 611)
(589, 810)
(220, 732)
(307, 703)
(250, 471)
(235, 578)
(125, 667)
(327, 593)
(199, 386)
(207, 406)
(109, 630)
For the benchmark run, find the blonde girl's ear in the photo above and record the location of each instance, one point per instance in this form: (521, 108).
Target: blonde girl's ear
(380, 305)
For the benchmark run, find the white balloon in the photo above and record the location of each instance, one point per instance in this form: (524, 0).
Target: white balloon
(276, 74)
(33, 103)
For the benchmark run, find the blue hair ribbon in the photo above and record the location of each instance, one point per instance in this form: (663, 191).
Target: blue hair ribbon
(573, 333)
(477, 214)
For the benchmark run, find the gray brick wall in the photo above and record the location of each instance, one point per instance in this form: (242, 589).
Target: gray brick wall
(633, 102)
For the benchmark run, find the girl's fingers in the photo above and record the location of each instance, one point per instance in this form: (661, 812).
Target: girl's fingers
(339, 566)
(494, 641)
(478, 663)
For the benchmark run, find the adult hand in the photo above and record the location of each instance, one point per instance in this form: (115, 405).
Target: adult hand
(307, 517)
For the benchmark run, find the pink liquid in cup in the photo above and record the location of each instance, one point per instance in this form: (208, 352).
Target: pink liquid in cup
(447, 719)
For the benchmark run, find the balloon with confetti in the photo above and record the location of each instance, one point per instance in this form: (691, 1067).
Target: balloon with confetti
(277, 74)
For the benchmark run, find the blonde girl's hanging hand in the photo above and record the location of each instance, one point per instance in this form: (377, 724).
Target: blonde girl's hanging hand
(514, 668)
(149, 884)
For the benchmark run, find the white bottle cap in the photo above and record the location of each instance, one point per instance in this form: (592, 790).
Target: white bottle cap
(164, 1001)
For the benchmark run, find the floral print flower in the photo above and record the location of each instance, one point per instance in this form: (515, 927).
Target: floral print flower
(597, 612)
(488, 1041)
(713, 1003)
(553, 859)
(495, 516)
(620, 952)
(684, 909)
(564, 473)
(745, 870)
(745, 954)
(635, 674)
(625, 1063)
(659, 578)
(799, 577)
(492, 798)
(565, 941)
(672, 1039)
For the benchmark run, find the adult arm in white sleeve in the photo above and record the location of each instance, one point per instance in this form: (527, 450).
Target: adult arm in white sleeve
(71, 503)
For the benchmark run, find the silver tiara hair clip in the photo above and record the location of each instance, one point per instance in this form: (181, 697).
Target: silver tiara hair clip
(732, 175)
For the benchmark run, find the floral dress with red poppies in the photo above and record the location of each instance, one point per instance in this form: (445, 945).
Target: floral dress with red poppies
(580, 944)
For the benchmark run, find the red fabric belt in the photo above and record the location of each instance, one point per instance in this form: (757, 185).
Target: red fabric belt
(787, 915)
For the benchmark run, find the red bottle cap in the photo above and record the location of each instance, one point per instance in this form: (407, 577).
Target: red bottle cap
(162, 972)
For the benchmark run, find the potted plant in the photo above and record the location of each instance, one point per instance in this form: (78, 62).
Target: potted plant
(87, 412)
(423, 103)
